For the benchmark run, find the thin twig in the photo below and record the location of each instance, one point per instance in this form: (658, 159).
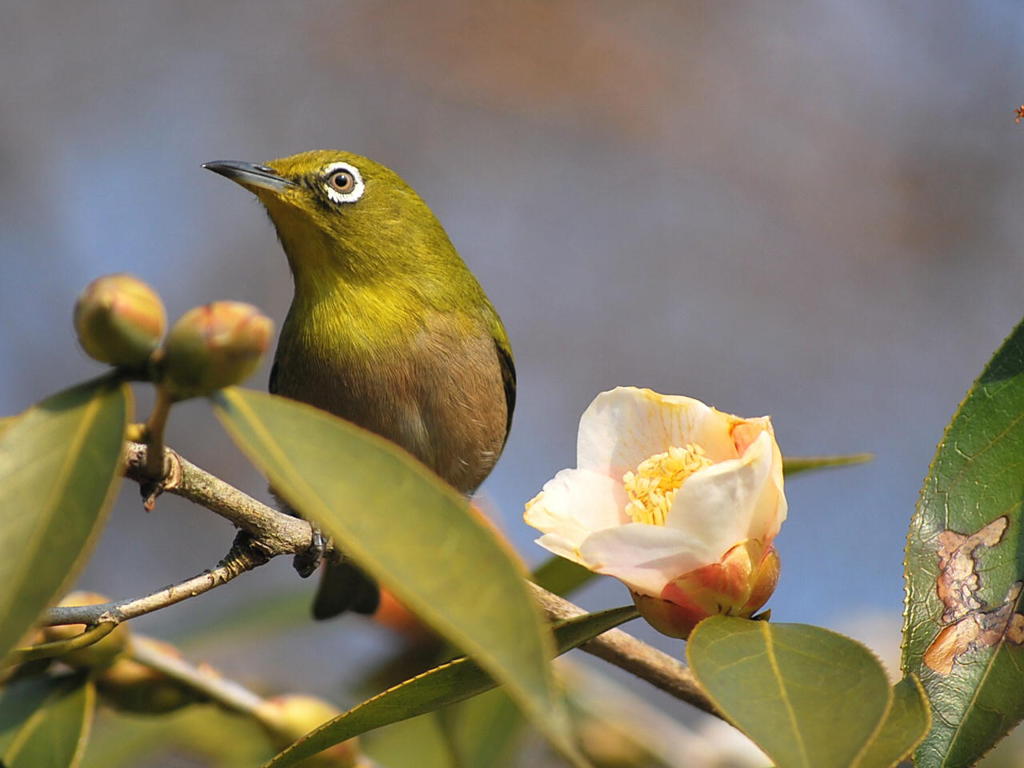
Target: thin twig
(155, 426)
(156, 467)
(209, 685)
(635, 656)
(201, 679)
(242, 557)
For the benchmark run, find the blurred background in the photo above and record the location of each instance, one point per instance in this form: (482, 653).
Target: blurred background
(808, 210)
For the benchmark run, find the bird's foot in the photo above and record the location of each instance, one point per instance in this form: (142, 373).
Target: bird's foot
(306, 562)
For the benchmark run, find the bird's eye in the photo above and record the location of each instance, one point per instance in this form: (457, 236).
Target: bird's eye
(343, 183)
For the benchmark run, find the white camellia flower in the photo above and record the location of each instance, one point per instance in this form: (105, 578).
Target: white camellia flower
(674, 498)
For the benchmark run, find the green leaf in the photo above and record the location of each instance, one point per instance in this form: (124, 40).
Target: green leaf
(209, 735)
(487, 731)
(793, 465)
(561, 576)
(904, 727)
(455, 681)
(419, 742)
(60, 468)
(18, 700)
(966, 543)
(44, 722)
(807, 696)
(412, 532)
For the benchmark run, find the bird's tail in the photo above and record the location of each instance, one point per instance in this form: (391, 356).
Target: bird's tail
(344, 587)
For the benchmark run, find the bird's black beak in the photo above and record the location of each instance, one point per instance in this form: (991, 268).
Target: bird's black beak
(251, 176)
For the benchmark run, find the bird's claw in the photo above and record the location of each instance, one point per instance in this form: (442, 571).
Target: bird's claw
(306, 562)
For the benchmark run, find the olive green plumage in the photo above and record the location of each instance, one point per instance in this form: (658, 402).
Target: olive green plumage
(388, 327)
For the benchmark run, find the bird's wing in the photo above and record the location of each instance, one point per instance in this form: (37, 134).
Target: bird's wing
(508, 378)
(272, 386)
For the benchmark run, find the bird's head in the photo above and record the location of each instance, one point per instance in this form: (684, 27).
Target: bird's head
(344, 216)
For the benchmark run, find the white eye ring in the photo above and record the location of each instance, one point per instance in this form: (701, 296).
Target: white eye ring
(358, 186)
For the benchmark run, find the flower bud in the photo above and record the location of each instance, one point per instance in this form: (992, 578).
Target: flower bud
(610, 747)
(738, 585)
(119, 320)
(214, 346)
(100, 654)
(290, 717)
(129, 686)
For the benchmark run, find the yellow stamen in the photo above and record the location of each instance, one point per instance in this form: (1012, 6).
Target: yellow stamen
(652, 488)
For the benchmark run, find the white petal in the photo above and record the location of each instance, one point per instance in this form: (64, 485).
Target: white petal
(624, 426)
(732, 501)
(574, 504)
(645, 557)
(769, 518)
(561, 546)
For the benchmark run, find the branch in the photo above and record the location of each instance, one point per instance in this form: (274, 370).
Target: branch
(201, 679)
(244, 556)
(633, 655)
(282, 721)
(273, 532)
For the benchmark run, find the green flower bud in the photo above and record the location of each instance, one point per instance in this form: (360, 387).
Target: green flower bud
(290, 717)
(119, 320)
(100, 654)
(214, 346)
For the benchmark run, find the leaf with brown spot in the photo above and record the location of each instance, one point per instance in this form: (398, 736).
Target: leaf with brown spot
(964, 562)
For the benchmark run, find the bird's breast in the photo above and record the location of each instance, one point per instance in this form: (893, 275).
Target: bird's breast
(437, 391)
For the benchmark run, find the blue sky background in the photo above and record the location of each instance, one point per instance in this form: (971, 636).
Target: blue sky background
(809, 210)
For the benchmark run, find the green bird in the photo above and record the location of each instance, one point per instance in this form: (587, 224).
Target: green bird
(388, 328)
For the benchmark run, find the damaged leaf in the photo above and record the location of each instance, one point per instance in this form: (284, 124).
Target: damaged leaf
(964, 570)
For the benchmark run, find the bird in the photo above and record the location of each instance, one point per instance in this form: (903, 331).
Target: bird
(388, 328)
